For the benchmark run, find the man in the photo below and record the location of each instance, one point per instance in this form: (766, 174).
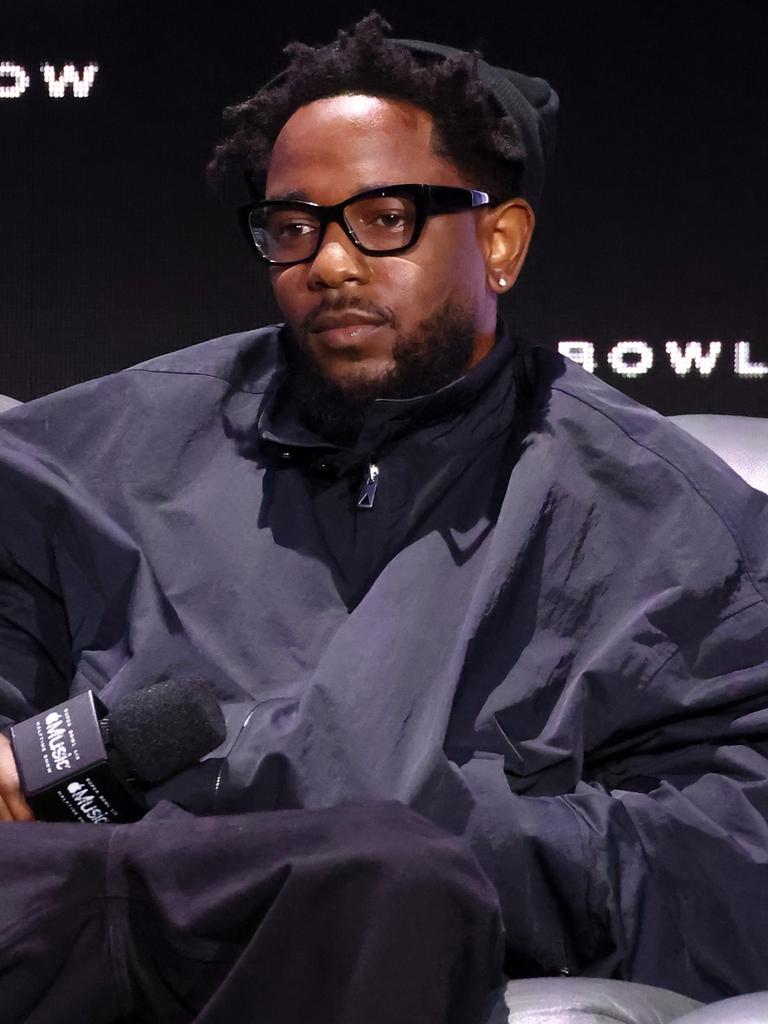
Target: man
(418, 561)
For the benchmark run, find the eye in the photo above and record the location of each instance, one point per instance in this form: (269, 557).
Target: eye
(286, 225)
(394, 219)
(288, 229)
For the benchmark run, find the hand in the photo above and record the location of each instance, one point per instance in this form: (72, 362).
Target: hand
(13, 806)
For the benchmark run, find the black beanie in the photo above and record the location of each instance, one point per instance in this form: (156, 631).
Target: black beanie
(531, 103)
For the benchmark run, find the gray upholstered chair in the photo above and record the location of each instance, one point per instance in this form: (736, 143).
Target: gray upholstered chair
(741, 441)
(7, 403)
(596, 1001)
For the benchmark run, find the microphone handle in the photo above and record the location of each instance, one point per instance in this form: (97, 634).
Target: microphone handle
(65, 769)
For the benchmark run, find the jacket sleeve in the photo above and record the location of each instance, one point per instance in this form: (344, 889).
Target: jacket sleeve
(36, 661)
(35, 643)
(35, 658)
(61, 555)
(613, 773)
(653, 867)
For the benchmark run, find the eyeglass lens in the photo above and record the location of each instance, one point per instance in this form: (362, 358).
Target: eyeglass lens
(379, 223)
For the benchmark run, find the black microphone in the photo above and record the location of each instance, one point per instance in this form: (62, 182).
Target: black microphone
(78, 762)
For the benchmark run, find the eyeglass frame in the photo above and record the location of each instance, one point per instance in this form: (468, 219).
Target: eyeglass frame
(429, 201)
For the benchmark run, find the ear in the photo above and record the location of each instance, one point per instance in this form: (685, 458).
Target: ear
(507, 233)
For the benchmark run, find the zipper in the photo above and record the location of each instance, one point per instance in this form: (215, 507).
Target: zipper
(371, 482)
(225, 759)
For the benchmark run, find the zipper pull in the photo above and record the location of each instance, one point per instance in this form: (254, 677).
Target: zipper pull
(368, 493)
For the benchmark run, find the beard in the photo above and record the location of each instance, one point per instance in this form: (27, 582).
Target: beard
(429, 358)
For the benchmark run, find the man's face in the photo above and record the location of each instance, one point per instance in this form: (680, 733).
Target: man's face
(406, 304)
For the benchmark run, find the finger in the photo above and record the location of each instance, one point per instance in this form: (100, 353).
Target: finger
(5, 814)
(19, 807)
(10, 789)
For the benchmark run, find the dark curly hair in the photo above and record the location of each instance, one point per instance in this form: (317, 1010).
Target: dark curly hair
(470, 130)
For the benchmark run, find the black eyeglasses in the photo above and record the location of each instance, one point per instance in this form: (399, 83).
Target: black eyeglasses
(380, 221)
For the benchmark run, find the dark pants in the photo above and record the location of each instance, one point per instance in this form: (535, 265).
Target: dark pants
(361, 914)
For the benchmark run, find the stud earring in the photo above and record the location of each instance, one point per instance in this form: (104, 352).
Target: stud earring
(502, 282)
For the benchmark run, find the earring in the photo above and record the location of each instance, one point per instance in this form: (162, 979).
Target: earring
(502, 282)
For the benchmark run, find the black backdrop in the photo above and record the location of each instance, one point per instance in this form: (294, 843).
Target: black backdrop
(653, 230)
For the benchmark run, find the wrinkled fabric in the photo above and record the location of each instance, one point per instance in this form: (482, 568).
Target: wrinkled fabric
(336, 916)
(549, 635)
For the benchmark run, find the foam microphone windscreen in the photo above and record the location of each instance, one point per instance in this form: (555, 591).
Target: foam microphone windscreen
(166, 727)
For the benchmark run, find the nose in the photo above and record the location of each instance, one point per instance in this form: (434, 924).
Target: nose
(337, 262)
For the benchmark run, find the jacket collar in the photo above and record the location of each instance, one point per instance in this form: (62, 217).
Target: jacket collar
(433, 416)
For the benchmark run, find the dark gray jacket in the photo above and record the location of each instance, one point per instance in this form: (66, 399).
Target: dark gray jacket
(549, 633)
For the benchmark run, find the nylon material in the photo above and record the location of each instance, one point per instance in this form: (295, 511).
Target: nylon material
(619, 889)
(308, 532)
(647, 488)
(54, 428)
(37, 673)
(526, 606)
(678, 612)
(634, 476)
(712, 693)
(535, 858)
(740, 827)
(555, 737)
(151, 489)
(644, 772)
(17, 703)
(152, 637)
(690, 858)
(742, 520)
(467, 525)
(741, 510)
(520, 719)
(273, 643)
(491, 680)
(77, 523)
(626, 647)
(22, 617)
(455, 628)
(708, 659)
(339, 716)
(98, 622)
(678, 710)
(242, 360)
(24, 524)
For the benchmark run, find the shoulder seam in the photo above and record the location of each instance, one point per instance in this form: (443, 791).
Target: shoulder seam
(758, 590)
(190, 373)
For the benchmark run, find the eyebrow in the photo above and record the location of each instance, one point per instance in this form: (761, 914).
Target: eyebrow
(299, 195)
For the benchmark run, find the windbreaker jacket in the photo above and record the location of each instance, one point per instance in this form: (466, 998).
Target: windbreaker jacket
(526, 606)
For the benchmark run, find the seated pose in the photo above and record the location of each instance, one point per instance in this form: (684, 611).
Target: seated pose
(421, 563)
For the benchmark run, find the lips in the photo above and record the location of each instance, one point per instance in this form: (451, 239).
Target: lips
(353, 330)
(350, 319)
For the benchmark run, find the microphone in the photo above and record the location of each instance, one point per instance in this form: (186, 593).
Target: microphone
(78, 762)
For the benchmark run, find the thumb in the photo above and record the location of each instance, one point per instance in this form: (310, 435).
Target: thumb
(13, 806)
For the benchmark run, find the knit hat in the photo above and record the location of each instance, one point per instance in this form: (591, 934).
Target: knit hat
(531, 103)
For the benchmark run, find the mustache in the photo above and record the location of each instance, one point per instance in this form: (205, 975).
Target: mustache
(344, 305)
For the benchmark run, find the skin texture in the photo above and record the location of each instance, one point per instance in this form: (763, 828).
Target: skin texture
(13, 807)
(335, 147)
